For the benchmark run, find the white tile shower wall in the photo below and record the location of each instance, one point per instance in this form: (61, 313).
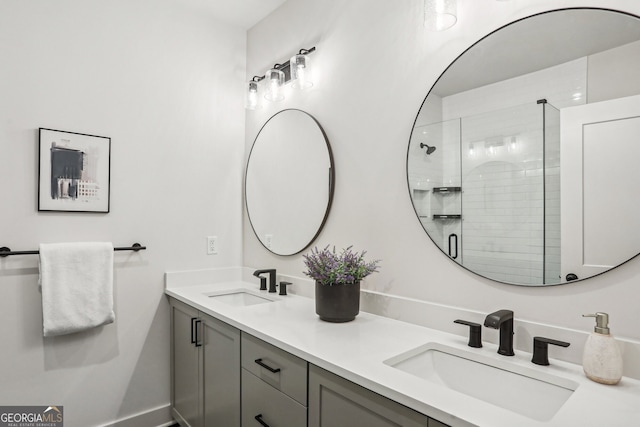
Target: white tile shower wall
(440, 168)
(425, 172)
(451, 133)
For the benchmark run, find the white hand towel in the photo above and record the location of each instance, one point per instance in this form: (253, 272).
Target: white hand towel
(77, 286)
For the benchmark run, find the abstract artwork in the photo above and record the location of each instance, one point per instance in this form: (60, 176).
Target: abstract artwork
(74, 172)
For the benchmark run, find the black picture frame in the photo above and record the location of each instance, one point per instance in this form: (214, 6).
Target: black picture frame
(74, 172)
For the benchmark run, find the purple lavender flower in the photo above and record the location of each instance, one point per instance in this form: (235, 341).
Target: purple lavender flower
(328, 267)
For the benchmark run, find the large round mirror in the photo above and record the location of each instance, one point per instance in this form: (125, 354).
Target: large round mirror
(289, 182)
(522, 162)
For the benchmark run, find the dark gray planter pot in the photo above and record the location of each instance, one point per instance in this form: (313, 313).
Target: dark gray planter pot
(338, 303)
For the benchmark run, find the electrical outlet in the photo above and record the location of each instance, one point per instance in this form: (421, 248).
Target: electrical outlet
(267, 240)
(212, 245)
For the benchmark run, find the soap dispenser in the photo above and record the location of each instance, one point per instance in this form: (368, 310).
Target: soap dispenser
(602, 360)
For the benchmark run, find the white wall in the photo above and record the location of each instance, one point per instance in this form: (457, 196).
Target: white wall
(166, 84)
(377, 64)
(613, 73)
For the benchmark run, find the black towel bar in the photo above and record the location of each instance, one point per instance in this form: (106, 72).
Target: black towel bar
(5, 251)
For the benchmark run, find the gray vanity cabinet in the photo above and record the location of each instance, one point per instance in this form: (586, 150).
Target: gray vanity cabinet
(274, 386)
(336, 402)
(205, 369)
(213, 383)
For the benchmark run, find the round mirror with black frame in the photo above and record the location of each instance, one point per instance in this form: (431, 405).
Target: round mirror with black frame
(521, 162)
(289, 182)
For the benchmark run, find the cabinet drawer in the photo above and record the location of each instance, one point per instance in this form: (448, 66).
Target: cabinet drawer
(274, 408)
(261, 358)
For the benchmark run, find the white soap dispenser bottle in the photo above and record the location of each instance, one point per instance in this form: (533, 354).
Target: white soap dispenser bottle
(602, 360)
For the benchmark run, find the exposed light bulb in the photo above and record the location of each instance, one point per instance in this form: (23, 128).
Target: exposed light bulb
(301, 71)
(274, 82)
(253, 98)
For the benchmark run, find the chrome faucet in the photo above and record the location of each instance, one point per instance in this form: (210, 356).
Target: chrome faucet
(272, 279)
(503, 320)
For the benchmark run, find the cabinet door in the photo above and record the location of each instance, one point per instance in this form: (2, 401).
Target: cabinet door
(221, 373)
(184, 365)
(336, 402)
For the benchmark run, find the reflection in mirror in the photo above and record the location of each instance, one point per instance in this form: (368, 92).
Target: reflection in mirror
(289, 182)
(521, 159)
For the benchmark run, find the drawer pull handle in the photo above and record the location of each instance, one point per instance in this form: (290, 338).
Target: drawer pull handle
(193, 330)
(197, 342)
(267, 367)
(259, 419)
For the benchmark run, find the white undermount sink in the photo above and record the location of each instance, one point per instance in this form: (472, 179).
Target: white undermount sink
(536, 395)
(239, 297)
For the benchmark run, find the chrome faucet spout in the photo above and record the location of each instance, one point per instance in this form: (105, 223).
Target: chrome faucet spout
(502, 320)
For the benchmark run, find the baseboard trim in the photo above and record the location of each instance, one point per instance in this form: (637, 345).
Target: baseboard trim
(159, 417)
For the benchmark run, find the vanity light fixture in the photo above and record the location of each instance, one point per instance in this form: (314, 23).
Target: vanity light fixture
(439, 15)
(271, 86)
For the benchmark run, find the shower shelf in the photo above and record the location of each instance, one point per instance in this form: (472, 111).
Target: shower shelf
(447, 189)
(443, 216)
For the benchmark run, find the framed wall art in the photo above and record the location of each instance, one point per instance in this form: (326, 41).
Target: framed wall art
(74, 172)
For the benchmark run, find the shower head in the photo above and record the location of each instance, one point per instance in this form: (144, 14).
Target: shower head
(429, 149)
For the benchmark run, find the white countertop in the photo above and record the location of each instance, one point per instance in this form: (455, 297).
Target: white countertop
(356, 351)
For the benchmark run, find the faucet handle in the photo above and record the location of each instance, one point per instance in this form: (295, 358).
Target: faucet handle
(541, 347)
(475, 332)
(263, 283)
(283, 288)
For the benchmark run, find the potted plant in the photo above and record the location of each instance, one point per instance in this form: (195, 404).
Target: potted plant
(338, 279)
